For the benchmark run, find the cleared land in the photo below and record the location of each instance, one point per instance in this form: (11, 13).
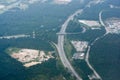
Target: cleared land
(2, 6)
(62, 1)
(113, 26)
(14, 36)
(80, 47)
(29, 57)
(92, 24)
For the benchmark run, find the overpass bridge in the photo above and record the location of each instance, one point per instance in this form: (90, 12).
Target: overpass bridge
(67, 33)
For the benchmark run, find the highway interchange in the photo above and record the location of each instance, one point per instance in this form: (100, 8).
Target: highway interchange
(61, 52)
(60, 46)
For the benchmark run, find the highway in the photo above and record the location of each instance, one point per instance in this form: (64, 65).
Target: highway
(88, 51)
(60, 46)
(97, 76)
(89, 47)
(100, 18)
(61, 52)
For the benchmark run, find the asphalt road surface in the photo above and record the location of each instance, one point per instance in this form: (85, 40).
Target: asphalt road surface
(60, 46)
